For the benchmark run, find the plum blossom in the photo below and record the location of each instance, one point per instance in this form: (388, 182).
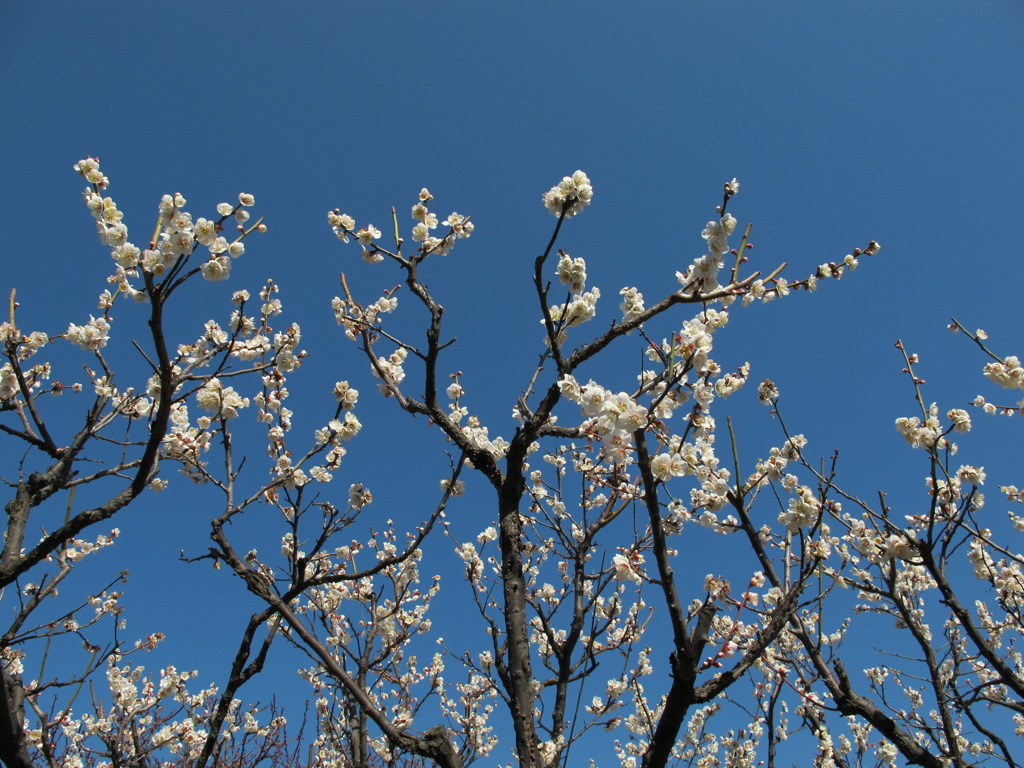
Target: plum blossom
(572, 272)
(367, 235)
(960, 420)
(628, 568)
(91, 336)
(632, 305)
(572, 194)
(342, 224)
(610, 414)
(926, 434)
(223, 401)
(803, 510)
(667, 465)
(89, 169)
(215, 270)
(580, 309)
(716, 233)
(346, 395)
(461, 226)
(1008, 374)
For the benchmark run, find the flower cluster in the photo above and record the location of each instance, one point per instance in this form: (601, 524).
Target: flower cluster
(632, 305)
(16, 379)
(391, 371)
(1008, 374)
(179, 236)
(578, 310)
(185, 443)
(679, 460)
(609, 414)
(91, 336)
(581, 305)
(475, 433)
(925, 433)
(342, 224)
(703, 273)
(779, 458)
(804, 508)
(356, 319)
(89, 169)
(223, 402)
(156, 715)
(571, 195)
(572, 272)
(460, 227)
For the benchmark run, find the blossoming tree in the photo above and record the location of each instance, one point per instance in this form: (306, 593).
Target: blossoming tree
(599, 640)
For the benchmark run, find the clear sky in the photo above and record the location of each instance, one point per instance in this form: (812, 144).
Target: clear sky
(844, 122)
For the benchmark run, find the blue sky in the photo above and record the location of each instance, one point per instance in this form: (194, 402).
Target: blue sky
(844, 122)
